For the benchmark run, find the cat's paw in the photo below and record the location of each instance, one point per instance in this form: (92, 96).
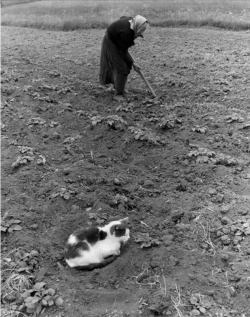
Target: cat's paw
(117, 252)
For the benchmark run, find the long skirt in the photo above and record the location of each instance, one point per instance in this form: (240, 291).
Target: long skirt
(113, 69)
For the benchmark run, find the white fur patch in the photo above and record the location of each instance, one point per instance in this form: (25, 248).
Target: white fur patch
(72, 240)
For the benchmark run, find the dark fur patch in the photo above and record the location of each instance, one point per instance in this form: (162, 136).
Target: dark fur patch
(120, 231)
(102, 235)
(73, 251)
(91, 235)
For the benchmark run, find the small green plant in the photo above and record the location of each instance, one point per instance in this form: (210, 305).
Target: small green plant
(72, 139)
(203, 155)
(26, 261)
(39, 297)
(113, 121)
(234, 118)
(145, 134)
(199, 129)
(146, 241)
(10, 225)
(95, 120)
(200, 303)
(64, 193)
(36, 121)
(168, 122)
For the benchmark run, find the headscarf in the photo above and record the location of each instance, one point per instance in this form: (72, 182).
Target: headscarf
(138, 24)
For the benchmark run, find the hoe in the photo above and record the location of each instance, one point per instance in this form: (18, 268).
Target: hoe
(147, 83)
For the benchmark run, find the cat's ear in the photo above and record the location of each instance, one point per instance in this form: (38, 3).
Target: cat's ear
(102, 235)
(126, 220)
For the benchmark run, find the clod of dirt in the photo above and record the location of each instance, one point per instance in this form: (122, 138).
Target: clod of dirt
(74, 208)
(10, 225)
(54, 124)
(212, 191)
(36, 121)
(225, 220)
(225, 239)
(182, 187)
(54, 73)
(219, 198)
(167, 240)
(246, 125)
(234, 118)
(173, 260)
(117, 181)
(3, 127)
(41, 160)
(224, 209)
(224, 257)
(195, 312)
(160, 307)
(148, 183)
(200, 129)
(22, 160)
(9, 298)
(176, 215)
(55, 136)
(34, 226)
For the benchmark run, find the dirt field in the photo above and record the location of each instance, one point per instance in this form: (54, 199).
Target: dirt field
(177, 166)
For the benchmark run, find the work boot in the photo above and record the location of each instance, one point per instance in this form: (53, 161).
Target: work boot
(119, 98)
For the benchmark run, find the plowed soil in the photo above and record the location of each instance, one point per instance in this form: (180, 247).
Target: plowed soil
(177, 166)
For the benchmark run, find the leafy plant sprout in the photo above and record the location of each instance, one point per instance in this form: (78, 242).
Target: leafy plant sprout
(145, 134)
(110, 120)
(37, 298)
(6, 266)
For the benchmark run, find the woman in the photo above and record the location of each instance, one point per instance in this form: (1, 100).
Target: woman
(116, 62)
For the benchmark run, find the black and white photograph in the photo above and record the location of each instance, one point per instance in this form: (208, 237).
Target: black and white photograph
(125, 158)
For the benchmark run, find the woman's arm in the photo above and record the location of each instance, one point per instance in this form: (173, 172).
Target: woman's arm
(127, 58)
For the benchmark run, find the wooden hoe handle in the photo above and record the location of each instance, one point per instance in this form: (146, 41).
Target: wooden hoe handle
(147, 83)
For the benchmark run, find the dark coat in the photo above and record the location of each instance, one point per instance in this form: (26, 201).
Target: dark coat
(115, 61)
(120, 33)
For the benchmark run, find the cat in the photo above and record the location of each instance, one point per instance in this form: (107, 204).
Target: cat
(94, 246)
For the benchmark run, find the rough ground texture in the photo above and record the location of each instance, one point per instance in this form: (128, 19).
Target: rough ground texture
(177, 166)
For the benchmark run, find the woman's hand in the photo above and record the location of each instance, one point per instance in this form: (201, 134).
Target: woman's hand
(136, 68)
